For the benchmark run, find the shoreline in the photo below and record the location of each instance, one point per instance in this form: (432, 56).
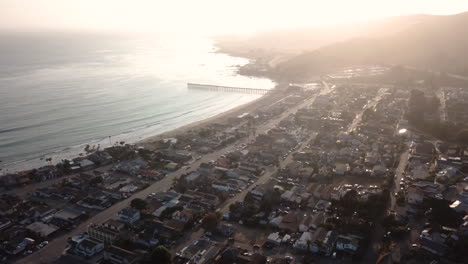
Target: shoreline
(223, 117)
(148, 140)
(219, 118)
(234, 112)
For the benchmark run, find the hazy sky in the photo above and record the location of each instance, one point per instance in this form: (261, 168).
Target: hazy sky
(206, 16)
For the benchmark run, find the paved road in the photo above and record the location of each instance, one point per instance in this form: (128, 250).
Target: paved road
(443, 106)
(398, 176)
(270, 171)
(370, 105)
(55, 248)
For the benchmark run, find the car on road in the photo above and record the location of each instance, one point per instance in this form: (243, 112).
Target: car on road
(27, 252)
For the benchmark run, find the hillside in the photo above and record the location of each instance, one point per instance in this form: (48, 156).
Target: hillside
(295, 41)
(433, 42)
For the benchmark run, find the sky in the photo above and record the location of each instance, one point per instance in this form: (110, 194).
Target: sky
(206, 16)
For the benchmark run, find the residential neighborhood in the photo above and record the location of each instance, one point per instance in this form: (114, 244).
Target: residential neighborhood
(331, 174)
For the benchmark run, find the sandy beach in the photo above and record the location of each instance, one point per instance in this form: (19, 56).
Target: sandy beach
(265, 100)
(223, 117)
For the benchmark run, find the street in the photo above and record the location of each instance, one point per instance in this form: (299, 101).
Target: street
(56, 247)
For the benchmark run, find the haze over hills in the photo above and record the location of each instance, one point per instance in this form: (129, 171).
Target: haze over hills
(424, 41)
(293, 41)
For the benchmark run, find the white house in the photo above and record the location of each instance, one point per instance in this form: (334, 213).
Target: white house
(303, 242)
(274, 238)
(129, 215)
(89, 247)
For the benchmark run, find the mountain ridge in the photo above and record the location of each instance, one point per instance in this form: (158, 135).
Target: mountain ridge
(436, 42)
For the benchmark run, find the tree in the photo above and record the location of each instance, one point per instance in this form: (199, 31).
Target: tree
(442, 214)
(167, 213)
(250, 210)
(349, 203)
(139, 204)
(160, 255)
(96, 180)
(210, 221)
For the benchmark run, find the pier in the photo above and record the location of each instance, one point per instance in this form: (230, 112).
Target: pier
(208, 87)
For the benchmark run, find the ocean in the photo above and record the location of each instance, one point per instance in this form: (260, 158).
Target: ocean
(62, 91)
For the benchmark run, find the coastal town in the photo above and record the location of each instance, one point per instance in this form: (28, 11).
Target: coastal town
(337, 171)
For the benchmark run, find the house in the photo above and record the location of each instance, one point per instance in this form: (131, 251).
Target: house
(371, 158)
(5, 223)
(347, 243)
(303, 243)
(192, 176)
(258, 192)
(117, 255)
(171, 203)
(415, 195)
(129, 215)
(165, 230)
(317, 220)
(317, 239)
(322, 205)
(200, 251)
(378, 170)
(172, 166)
(185, 215)
(40, 211)
(226, 229)
(328, 243)
(41, 229)
(423, 149)
(174, 225)
(17, 244)
(221, 187)
(176, 157)
(89, 247)
(464, 226)
(341, 169)
(448, 173)
(108, 232)
(95, 203)
(47, 172)
(68, 215)
(149, 237)
(460, 206)
(206, 168)
(290, 222)
(305, 224)
(420, 172)
(434, 247)
(8, 180)
(86, 164)
(274, 239)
